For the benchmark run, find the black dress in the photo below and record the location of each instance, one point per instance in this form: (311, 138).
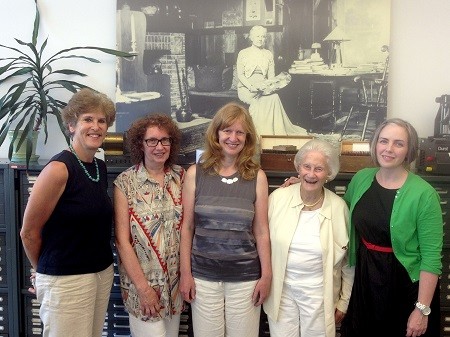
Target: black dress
(383, 295)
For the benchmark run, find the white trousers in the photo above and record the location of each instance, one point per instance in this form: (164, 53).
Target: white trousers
(301, 313)
(162, 328)
(225, 309)
(74, 305)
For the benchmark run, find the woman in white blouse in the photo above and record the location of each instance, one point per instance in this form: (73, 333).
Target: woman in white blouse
(311, 278)
(257, 86)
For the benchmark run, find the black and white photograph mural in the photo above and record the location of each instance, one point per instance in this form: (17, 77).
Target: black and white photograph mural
(301, 67)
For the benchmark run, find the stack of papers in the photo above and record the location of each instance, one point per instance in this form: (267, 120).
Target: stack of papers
(307, 66)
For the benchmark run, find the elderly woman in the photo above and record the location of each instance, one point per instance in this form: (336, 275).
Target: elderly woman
(257, 86)
(312, 280)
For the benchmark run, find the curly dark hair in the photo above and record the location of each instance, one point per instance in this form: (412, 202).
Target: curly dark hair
(134, 137)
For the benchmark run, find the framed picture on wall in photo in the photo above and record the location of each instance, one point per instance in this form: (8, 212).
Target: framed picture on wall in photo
(259, 12)
(252, 11)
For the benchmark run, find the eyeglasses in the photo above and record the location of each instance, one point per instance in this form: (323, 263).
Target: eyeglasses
(153, 142)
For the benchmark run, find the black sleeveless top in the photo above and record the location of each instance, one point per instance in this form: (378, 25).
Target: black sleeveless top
(76, 239)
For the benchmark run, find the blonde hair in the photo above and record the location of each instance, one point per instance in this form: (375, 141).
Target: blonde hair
(212, 156)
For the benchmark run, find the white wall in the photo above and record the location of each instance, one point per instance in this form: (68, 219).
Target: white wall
(67, 24)
(420, 61)
(420, 51)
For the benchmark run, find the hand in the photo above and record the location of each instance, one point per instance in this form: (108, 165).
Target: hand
(187, 288)
(149, 301)
(261, 291)
(338, 316)
(253, 88)
(261, 86)
(32, 289)
(290, 181)
(417, 324)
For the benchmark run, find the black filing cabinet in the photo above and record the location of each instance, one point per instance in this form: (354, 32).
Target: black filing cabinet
(19, 310)
(29, 325)
(9, 320)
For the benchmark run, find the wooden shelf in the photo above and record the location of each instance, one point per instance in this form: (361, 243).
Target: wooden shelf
(238, 30)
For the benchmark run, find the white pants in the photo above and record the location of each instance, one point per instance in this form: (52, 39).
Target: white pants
(74, 305)
(301, 313)
(163, 328)
(225, 309)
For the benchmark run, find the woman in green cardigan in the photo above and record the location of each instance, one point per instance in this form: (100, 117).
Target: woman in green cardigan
(396, 238)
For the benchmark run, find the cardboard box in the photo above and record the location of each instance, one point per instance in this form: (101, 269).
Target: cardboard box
(355, 155)
(274, 159)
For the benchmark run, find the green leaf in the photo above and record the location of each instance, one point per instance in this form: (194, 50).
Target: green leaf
(31, 84)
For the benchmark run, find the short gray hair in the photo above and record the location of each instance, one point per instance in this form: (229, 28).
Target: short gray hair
(326, 149)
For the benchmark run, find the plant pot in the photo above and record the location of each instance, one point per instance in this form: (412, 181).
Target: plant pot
(19, 156)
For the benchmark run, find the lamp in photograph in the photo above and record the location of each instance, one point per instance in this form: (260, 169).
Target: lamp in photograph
(336, 37)
(315, 56)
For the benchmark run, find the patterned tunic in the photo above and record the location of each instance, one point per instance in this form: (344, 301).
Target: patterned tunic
(155, 224)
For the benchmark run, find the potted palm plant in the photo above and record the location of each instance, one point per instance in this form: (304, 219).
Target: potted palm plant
(31, 82)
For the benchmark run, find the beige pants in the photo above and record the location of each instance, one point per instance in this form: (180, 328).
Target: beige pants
(74, 305)
(225, 309)
(163, 328)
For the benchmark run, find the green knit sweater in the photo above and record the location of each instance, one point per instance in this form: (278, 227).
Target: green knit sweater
(416, 222)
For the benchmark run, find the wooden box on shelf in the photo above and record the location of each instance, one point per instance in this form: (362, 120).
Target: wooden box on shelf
(355, 155)
(278, 152)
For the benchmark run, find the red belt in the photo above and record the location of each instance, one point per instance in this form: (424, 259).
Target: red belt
(382, 249)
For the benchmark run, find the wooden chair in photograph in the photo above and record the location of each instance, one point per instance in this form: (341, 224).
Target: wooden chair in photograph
(372, 100)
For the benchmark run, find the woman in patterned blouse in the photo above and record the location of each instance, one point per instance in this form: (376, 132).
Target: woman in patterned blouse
(148, 213)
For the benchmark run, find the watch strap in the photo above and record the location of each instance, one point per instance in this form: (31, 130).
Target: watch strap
(424, 309)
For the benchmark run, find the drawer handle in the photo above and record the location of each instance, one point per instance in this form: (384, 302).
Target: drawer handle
(120, 316)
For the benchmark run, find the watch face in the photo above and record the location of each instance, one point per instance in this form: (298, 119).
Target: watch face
(426, 311)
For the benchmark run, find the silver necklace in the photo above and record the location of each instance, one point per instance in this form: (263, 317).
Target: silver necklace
(95, 180)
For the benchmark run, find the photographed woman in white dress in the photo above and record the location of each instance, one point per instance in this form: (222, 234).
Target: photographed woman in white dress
(257, 86)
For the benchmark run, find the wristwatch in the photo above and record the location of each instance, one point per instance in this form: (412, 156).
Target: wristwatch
(424, 309)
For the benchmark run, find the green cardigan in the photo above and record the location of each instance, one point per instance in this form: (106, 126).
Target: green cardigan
(416, 222)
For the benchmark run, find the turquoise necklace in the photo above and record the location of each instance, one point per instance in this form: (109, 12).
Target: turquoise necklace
(95, 180)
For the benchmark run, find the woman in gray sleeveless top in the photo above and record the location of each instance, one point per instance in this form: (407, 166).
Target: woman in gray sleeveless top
(225, 247)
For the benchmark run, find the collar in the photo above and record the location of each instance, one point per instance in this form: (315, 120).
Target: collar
(142, 175)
